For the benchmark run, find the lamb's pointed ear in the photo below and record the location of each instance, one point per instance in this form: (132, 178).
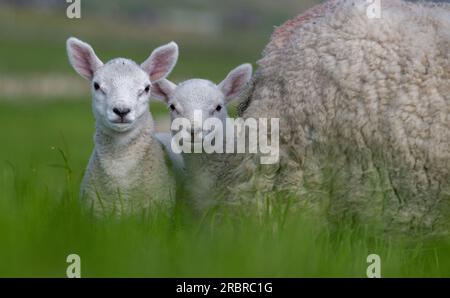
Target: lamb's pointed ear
(162, 90)
(236, 81)
(83, 58)
(161, 62)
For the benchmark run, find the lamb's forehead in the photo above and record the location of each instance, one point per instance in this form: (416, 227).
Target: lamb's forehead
(122, 69)
(197, 91)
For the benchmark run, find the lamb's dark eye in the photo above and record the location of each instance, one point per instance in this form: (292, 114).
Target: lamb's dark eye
(96, 86)
(218, 108)
(147, 89)
(172, 107)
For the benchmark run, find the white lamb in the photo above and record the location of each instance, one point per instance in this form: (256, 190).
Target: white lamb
(127, 172)
(198, 95)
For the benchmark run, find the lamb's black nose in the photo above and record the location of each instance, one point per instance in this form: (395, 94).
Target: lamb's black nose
(122, 112)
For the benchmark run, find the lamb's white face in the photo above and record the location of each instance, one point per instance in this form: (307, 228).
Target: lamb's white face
(120, 100)
(120, 88)
(197, 95)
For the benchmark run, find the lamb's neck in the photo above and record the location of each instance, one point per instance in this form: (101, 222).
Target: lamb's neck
(114, 143)
(197, 157)
(203, 159)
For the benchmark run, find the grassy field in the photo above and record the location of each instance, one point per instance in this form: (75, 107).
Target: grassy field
(46, 143)
(44, 150)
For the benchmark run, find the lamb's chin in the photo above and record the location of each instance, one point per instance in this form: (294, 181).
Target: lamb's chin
(121, 127)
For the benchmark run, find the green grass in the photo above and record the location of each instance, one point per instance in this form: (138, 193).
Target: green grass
(41, 221)
(38, 45)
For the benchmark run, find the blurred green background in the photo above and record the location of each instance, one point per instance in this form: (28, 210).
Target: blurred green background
(46, 139)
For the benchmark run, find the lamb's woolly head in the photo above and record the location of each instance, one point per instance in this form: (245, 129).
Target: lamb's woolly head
(120, 88)
(202, 95)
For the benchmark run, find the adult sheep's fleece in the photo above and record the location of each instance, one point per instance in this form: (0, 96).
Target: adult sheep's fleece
(364, 108)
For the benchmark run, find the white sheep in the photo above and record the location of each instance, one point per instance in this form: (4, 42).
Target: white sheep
(364, 109)
(127, 172)
(211, 100)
